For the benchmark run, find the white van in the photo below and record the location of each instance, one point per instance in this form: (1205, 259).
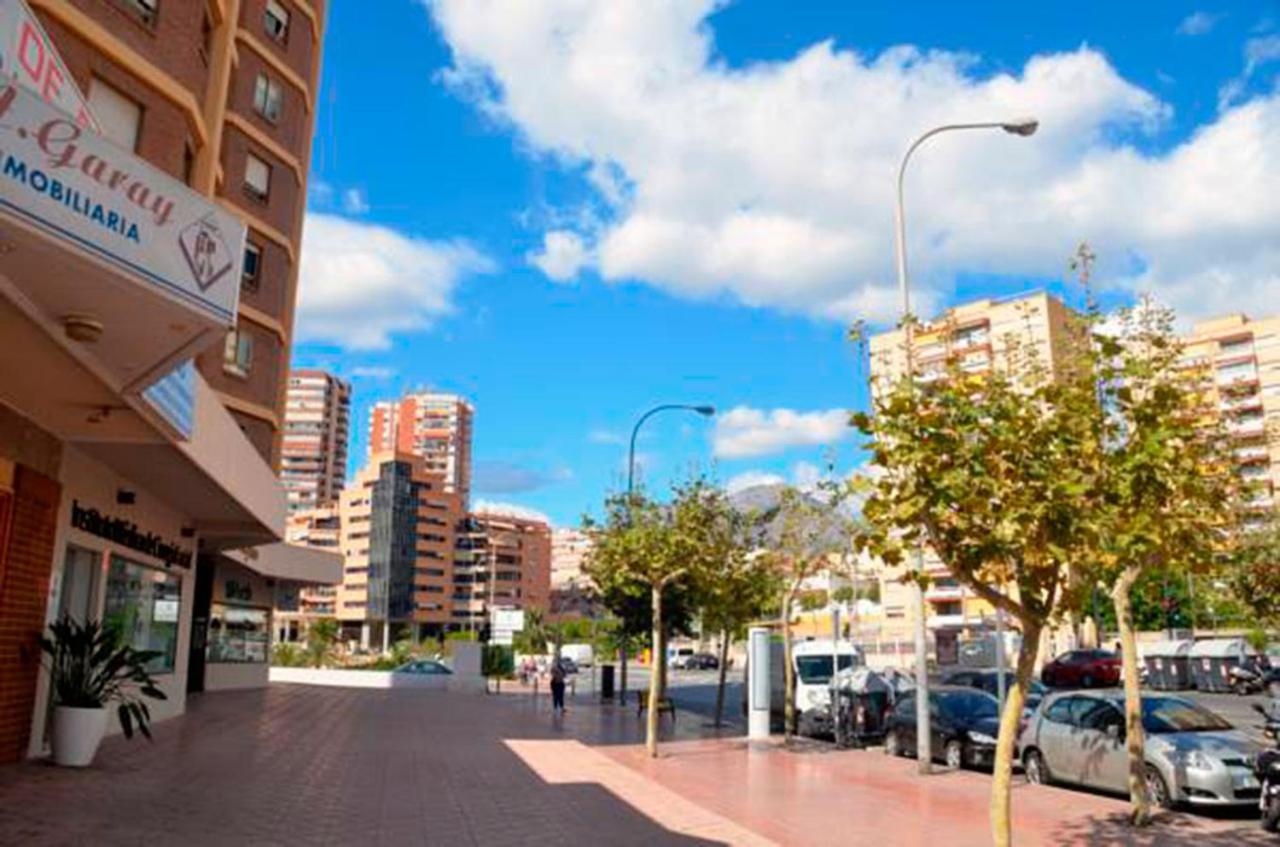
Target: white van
(582, 654)
(811, 661)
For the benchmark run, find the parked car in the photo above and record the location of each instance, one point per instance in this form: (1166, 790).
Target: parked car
(678, 657)
(988, 681)
(424, 667)
(1082, 669)
(702, 662)
(1193, 756)
(963, 725)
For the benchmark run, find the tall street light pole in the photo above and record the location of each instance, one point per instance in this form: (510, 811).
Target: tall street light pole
(1023, 127)
(706, 411)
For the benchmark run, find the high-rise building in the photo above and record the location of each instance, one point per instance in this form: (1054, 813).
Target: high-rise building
(1241, 360)
(977, 335)
(313, 462)
(503, 560)
(398, 530)
(432, 425)
(155, 180)
(569, 548)
(298, 605)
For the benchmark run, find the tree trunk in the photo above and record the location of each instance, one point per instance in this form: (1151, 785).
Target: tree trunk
(651, 725)
(1140, 814)
(724, 662)
(1010, 718)
(788, 675)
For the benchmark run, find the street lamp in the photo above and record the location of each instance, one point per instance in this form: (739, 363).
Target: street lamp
(1023, 127)
(705, 411)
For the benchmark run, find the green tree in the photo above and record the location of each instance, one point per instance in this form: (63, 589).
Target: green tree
(993, 472)
(535, 636)
(322, 636)
(811, 535)
(1255, 575)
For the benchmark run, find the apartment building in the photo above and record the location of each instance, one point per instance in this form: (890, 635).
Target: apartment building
(313, 464)
(432, 425)
(569, 549)
(298, 605)
(1240, 357)
(130, 478)
(978, 335)
(502, 560)
(398, 529)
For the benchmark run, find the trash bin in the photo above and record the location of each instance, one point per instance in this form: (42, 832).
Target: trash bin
(1213, 659)
(606, 682)
(1169, 665)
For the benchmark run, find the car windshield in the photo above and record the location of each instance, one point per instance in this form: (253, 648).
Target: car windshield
(1170, 714)
(816, 670)
(963, 704)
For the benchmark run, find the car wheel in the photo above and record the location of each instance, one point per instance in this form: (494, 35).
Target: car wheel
(953, 755)
(1157, 789)
(892, 746)
(1086, 681)
(1034, 766)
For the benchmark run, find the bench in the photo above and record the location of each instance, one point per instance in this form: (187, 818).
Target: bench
(665, 704)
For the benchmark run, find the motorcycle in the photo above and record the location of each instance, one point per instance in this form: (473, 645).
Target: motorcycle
(1254, 680)
(1267, 769)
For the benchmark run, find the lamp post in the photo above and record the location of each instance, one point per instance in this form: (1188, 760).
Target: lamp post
(1023, 127)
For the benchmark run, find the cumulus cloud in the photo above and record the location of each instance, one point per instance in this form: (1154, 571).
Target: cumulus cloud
(752, 479)
(511, 510)
(772, 182)
(379, 372)
(1198, 23)
(495, 477)
(744, 432)
(562, 256)
(354, 202)
(361, 283)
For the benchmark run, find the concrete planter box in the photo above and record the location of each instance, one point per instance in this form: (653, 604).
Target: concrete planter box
(376, 679)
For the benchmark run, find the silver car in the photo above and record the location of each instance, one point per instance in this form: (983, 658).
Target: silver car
(1192, 755)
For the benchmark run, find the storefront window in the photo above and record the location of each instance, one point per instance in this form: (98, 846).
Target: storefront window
(143, 605)
(238, 634)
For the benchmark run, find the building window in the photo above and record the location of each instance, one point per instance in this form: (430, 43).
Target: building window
(239, 353)
(257, 178)
(267, 96)
(276, 22)
(238, 634)
(252, 267)
(142, 605)
(119, 115)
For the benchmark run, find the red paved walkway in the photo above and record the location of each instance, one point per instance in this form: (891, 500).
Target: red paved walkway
(297, 765)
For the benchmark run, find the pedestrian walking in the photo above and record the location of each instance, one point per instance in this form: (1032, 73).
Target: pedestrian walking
(557, 686)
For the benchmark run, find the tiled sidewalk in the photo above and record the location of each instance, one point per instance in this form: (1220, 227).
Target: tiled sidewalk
(298, 765)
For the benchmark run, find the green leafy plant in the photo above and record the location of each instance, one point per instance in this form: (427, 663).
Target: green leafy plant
(89, 667)
(322, 636)
(287, 656)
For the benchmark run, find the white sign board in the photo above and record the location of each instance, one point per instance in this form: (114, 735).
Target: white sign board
(76, 187)
(502, 637)
(28, 55)
(508, 620)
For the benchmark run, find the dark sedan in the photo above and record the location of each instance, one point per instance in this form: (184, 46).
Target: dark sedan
(1082, 669)
(702, 662)
(963, 725)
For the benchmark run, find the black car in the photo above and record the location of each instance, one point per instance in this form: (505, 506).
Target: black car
(963, 722)
(702, 662)
(988, 681)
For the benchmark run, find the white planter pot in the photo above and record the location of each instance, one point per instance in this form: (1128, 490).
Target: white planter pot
(77, 734)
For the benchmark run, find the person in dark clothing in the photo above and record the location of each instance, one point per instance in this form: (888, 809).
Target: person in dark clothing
(557, 686)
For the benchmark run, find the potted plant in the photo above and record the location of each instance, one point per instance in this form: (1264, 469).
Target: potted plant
(88, 669)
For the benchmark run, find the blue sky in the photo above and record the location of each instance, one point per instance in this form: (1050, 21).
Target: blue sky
(570, 211)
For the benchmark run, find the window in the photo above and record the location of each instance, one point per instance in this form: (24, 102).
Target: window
(267, 96)
(117, 114)
(1097, 715)
(252, 265)
(257, 177)
(239, 353)
(275, 21)
(142, 605)
(1060, 710)
(238, 634)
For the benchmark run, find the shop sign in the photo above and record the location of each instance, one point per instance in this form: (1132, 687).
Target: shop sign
(28, 55)
(126, 533)
(164, 611)
(78, 187)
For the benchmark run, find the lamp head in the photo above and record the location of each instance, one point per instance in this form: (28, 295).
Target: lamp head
(1022, 126)
(707, 411)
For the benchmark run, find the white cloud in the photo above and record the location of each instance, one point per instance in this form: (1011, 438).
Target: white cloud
(360, 283)
(373, 372)
(772, 181)
(1198, 23)
(805, 475)
(1258, 52)
(751, 479)
(744, 432)
(605, 436)
(562, 256)
(490, 507)
(354, 202)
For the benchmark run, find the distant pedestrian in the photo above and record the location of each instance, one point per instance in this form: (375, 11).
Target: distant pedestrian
(557, 686)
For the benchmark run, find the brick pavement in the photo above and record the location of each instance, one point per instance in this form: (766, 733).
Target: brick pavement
(300, 765)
